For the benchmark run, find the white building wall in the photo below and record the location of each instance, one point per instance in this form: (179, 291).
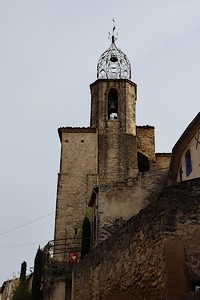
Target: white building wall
(194, 147)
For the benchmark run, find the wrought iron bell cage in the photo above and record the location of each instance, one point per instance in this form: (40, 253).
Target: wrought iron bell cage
(113, 64)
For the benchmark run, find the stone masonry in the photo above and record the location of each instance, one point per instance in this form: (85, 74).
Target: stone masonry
(117, 149)
(146, 141)
(76, 178)
(119, 201)
(155, 255)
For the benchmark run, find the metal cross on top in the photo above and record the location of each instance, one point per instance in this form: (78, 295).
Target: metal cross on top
(113, 25)
(112, 36)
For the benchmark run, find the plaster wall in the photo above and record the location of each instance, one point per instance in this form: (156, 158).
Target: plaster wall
(195, 157)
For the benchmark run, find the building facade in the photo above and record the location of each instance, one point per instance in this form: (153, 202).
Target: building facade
(185, 161)
(8, 288)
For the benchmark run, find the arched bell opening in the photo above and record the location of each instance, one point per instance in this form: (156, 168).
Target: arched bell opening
(143, 162)
(112, 105)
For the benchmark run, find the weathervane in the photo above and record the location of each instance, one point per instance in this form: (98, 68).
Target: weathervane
(112, 36)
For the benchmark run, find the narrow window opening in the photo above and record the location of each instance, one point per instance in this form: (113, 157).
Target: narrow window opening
(112, 105)
(188, 162)
(75, 231)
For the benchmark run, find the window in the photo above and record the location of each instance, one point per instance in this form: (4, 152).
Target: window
(188, 163)
(112, 105)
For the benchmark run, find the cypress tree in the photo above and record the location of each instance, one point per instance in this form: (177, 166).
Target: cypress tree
(37, 275)
(86, 237)
(23, 272)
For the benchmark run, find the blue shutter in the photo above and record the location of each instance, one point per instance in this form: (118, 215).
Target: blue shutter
(188, 162)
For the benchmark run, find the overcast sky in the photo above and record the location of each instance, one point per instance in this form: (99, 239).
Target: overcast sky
(48, 55)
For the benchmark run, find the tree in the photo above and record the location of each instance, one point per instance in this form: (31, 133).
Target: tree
(37, 275)
(21, 292)
(23, 272)
(86, 237)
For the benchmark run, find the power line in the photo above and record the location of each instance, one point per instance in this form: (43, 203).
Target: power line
(23, 245)
(72, 241)
(25, 224)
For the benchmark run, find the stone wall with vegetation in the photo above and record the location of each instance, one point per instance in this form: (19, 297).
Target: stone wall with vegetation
(155, 255)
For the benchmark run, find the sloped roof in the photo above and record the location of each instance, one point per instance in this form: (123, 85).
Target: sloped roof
(76, 130)
(180, 146)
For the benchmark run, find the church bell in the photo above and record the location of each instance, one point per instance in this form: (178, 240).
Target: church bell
(112, 106)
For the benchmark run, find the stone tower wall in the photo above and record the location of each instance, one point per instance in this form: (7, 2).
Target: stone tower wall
(117, 157)
(78, 174)
(146, 141)
(163, 160)
(127, 94)
(117, 142)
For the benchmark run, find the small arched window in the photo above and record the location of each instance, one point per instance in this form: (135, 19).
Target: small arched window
(112, 105)
(188, 162)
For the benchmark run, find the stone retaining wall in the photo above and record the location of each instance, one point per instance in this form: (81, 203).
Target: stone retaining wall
(155, 255)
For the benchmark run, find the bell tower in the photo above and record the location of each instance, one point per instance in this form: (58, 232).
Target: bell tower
(97, 156)
(113, 105)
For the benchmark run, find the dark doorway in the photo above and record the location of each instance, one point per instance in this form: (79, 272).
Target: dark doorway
(143, 162)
